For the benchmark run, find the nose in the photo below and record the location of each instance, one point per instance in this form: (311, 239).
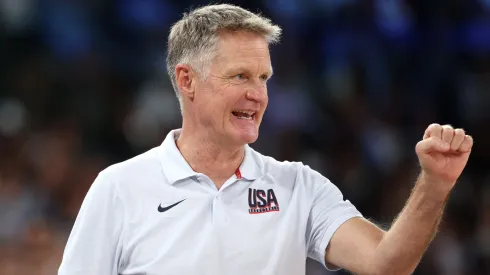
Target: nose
(258, 95)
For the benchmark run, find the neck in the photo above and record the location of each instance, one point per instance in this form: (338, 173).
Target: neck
(207, 156)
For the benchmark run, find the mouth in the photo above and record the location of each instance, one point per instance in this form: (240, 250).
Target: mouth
(244, 114)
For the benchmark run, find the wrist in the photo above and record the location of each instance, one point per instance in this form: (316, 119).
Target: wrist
(433, 189)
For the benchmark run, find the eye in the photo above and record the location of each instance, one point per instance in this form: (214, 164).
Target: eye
(240, 77)
(264, 77)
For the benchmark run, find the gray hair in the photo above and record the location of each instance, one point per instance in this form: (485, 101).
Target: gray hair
(193, 39)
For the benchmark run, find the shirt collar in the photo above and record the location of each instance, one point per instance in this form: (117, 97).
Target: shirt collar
(250, 168)
(176, 168)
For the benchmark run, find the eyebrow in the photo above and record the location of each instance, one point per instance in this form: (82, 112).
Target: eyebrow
(241, 68)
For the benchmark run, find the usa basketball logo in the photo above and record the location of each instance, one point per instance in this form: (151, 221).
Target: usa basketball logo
(261, 201)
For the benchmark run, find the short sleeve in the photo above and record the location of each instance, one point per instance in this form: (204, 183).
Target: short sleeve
(94, 244)
(328, 212)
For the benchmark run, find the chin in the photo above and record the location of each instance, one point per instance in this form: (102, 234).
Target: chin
(246, 137)
(243, 132)
(251, 139)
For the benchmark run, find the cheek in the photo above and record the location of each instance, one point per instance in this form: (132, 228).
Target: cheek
(224, 100)
(220, 99)
(217, 107)
(265, 103)
(211, 101)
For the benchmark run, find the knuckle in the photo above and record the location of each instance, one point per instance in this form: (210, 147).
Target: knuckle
(434, 129)
(447, 129)
(434, 126)
(459, 131)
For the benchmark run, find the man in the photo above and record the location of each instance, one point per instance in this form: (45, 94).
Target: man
(204, 202)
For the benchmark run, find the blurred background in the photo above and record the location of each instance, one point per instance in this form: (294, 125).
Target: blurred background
(83, 85)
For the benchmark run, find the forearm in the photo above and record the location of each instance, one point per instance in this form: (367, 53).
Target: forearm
(402, 247)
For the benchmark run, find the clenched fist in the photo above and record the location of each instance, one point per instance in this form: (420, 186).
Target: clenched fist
(443, 153)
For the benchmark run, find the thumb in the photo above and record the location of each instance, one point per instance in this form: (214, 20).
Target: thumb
(432, 144)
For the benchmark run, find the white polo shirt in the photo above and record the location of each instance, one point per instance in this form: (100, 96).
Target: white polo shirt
(154, 215)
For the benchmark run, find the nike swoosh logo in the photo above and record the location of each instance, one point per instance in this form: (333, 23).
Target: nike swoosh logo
(163, 209)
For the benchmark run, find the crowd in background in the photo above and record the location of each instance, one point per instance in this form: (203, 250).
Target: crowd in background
(83, 85)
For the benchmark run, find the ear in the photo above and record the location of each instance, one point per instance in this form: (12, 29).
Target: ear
(185, 79)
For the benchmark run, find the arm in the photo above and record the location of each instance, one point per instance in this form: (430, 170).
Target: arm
(361, 247)
(94, 245)
(398, 251)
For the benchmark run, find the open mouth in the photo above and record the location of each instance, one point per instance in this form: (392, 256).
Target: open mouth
(247, 115)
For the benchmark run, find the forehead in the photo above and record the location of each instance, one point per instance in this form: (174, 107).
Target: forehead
(242, 47)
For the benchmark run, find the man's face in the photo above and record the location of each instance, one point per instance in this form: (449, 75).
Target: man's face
(232, 100)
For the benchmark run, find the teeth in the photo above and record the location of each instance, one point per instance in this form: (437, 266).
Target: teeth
(245, 117)
(244, 114)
